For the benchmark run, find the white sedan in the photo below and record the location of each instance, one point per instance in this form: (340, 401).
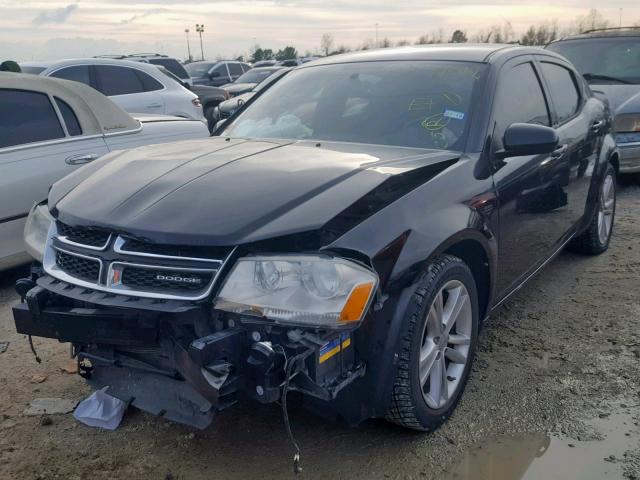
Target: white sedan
(49, 128)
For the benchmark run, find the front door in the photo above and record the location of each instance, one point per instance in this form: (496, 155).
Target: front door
(532, 190)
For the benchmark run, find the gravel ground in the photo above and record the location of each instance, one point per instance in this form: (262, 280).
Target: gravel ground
(563, 352)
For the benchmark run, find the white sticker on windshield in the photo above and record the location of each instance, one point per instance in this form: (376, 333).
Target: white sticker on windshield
(454, 114)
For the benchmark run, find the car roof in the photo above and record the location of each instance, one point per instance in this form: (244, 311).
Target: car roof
(95, 112)
(483, 52)
(86, 61)
(603, 33)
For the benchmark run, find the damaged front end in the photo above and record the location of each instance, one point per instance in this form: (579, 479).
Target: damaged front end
(184, 332)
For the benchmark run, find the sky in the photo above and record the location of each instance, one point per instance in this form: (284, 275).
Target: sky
(53, 29)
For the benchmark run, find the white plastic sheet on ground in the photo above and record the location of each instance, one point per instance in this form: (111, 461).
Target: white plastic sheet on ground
(101, 410)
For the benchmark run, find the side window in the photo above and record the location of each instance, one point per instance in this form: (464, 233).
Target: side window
(222, 70)
(149, 83)
(235, 69)
(27, 117)
(562, 88)
(114, 80)
(79, 73)
(520, 98)
(245, 67)
(70, 119)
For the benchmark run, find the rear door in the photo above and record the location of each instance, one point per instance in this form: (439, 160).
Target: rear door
(531, 189)
(41, 141)
(580, 126)
(219, 75)
(132, 89)
(235, 70)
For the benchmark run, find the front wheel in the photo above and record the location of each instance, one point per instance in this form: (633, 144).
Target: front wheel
(595, 239)
(437, 347)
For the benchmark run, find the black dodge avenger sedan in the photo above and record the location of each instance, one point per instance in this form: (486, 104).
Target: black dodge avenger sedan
(344, 237)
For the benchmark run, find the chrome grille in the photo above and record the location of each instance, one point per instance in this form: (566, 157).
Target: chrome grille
(133, 267)
(84, 268)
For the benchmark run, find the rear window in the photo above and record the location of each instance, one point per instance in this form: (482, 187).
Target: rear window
(33, 70)
(424, 104)
(172, 65)
(27, 117)
(199, 69)
(69, 117)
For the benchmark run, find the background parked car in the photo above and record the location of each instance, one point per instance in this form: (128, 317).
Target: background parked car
(50, 127)
(609, 60)
(216, 73)
(227, 108)
(248, 81)
(136, 86)
(171, 64)
(265, 63)
(210, 97)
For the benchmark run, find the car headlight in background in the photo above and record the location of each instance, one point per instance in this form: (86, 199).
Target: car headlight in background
(628, 122)
(36, 230)
(299, 290)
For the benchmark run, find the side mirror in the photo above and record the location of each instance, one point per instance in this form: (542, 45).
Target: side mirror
(522, 139)
(219, 124)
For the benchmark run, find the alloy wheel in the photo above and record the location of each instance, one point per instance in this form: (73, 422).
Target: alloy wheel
(446, 340)
(606, 208)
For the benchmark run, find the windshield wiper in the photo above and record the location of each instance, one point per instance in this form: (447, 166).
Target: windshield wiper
(595, 76)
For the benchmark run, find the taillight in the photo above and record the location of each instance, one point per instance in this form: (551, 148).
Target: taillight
(627, 122)
(196, 102)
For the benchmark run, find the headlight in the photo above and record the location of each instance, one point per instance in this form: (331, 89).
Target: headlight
(299, 290)
(629, 122)
(36, 229)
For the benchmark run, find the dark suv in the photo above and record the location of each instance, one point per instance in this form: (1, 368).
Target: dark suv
(609, 60)
(344, 237)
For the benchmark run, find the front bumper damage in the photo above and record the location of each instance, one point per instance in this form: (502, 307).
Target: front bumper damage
(183, 361)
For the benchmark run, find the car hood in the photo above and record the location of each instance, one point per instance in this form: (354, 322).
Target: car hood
(622, 98)
(221, 191)
(235, 88)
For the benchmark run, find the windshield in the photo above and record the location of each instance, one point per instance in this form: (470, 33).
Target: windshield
(256, 75)
(603, 60)
(199, 69)
(424, 104)
(172, 65)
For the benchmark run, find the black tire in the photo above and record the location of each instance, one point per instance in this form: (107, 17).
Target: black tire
(408, 407)
(589, 241)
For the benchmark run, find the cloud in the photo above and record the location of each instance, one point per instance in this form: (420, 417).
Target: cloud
(58, 15)
(153, 11)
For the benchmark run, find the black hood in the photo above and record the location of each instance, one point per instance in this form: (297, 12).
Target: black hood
(221, 191)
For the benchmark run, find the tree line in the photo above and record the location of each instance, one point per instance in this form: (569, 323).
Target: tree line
(540, 34)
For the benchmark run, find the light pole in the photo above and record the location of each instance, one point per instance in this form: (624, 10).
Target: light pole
(200, 30)
(186, 30)
(376, 35)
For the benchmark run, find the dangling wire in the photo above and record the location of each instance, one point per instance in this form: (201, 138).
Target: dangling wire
(288, 366)
(33, 350)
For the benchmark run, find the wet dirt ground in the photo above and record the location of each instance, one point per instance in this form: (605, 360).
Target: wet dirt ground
(554, 393)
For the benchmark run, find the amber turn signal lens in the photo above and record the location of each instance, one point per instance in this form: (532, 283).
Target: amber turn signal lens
(357, 302)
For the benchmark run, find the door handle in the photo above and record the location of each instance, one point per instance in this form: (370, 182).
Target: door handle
(596, 126)
(559, 152)
(154, 105)
(80, 159)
